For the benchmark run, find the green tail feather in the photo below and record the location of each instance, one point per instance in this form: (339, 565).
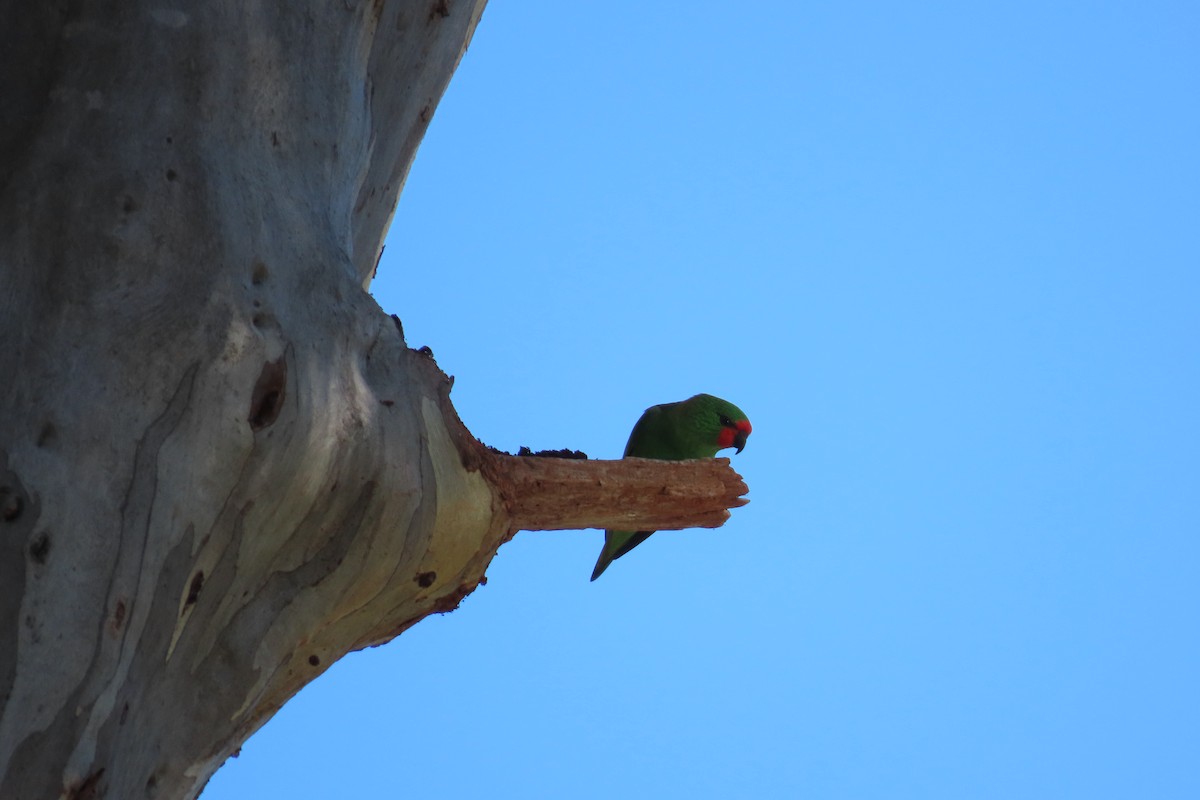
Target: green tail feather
(619, 545)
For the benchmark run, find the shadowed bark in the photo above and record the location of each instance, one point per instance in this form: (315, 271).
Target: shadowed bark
(221, 467)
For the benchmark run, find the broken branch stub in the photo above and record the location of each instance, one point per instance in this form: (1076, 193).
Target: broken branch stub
(541, 494)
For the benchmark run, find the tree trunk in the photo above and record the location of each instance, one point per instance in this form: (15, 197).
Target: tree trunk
(221, 468)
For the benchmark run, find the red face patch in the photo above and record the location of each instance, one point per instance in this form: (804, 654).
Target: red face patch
(727, 435)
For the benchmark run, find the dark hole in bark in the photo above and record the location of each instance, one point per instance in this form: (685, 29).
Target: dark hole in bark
(267, 399)
(426, 579)
(39, 548)
(47, 435)
(11, 503)
(314, 661)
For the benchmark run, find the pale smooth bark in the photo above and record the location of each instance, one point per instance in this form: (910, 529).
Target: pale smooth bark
(221, 467)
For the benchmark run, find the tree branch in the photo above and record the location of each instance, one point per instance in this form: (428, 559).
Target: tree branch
(534, 493)
(542, 494)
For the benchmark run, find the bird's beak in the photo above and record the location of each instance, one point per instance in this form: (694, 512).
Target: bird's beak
(739, 439)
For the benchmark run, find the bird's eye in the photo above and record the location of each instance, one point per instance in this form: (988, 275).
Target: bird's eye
(725, 421)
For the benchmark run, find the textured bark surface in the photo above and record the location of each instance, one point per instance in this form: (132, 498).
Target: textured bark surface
(221, 468)
(546, 494)
(229, 468)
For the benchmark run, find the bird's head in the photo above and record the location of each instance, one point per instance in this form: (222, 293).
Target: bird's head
(733, 433)
(727, 422)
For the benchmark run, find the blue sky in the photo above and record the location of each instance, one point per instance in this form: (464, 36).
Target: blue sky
(947, 259)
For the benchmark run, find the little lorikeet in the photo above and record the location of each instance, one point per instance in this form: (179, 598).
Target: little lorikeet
(694, 428)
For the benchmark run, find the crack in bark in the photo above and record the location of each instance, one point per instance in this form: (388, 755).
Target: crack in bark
(13, 574)
(101, 684)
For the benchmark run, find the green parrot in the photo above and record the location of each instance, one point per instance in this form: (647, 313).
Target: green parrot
(694, 428)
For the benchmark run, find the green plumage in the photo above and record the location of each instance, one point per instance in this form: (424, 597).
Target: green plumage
(694, 428)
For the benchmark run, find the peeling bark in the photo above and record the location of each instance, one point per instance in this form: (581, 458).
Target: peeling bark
(546, 494)
(221, 467)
